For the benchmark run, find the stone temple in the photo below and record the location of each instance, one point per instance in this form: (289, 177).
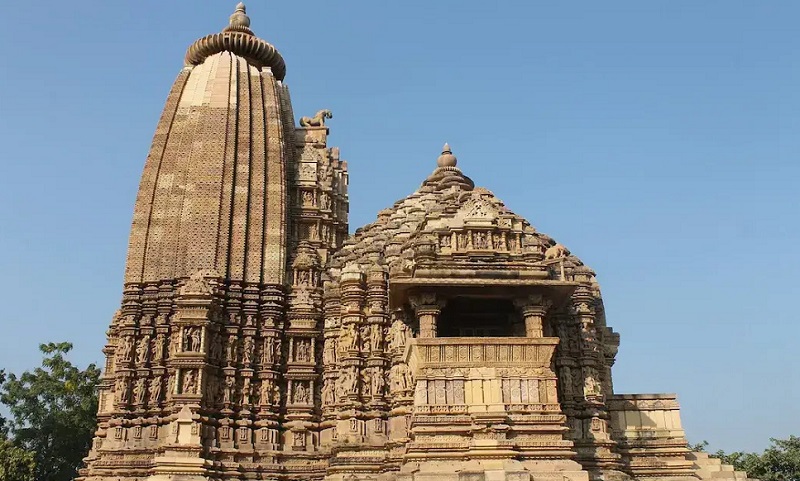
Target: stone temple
(258, 340)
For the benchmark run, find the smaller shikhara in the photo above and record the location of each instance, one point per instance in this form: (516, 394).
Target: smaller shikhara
(257, 339)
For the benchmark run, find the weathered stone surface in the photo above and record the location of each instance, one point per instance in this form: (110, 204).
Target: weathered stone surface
(447, 340)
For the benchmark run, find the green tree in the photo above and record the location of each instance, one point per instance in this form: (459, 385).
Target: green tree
(16, 464)
(53, 412)
(779, 462)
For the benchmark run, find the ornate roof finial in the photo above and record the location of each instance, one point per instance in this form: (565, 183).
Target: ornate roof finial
(447, 159)
(239, 21)
(238, 39)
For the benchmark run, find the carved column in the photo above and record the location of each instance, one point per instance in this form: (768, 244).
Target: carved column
(534, 309)
(374, 381)
(590, 426)
(319, 191)
(268, 389)
(330, 362)
(348, 386)
(303, 330)
(427, 309)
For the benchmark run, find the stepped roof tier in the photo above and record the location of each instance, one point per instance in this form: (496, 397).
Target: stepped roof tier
(447, 202)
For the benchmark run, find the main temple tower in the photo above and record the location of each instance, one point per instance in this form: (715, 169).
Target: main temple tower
(210, 364)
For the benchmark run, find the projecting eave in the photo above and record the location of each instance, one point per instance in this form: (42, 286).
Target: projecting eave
(557, 291)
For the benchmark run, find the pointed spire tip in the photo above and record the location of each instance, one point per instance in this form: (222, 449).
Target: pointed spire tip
(447, 159)
(239, 21)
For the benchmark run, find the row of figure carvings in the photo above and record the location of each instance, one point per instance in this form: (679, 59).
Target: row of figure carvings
(397, 337)
(235, 348)
(371, 382)
(150, 390)
(308, 198)
(483, 240)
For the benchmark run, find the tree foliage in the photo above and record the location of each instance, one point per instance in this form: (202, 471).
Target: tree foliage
(16, 464)
(53, 412)
(779, 462)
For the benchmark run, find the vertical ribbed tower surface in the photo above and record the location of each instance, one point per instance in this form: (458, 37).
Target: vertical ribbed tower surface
(213, 191)
(236, 212)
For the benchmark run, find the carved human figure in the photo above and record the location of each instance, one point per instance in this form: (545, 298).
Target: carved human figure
(566, 378)
(143, 351)
(481, 241)
(376, 333)
(176, 343)
(403, 377)
(158, 347)
(155, 391)
(195, 338)
(247, 351)
(246, 391)
(230, 383)
(276, 394)
(328, 394)
(230, 350)
(329, 351)
(127, 347)
(307, 198)
(122, 390)
(299, 439)
(266, 391)
(138, 391)
(216, 348)
(366, 383)
(347, 339)
(303, 351)
(366, 339)
(211, 389)
(267, 353)
(347, 383)
(189, 382)
(591, 387)
(300, 393)
(400, 333)
(303, 278)
(378, 382)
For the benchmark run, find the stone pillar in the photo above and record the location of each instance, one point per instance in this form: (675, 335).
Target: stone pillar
(350, 363)
(271, 310)
(533, 309)
(427, 309)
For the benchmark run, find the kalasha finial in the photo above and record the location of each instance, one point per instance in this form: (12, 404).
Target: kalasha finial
(239, 21)
(447, 159)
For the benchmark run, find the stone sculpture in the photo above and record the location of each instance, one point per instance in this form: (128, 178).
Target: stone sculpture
(318, 120)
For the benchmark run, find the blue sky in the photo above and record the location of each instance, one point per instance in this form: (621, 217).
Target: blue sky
(657, 140)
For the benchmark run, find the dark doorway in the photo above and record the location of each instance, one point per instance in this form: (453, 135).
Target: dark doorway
(477, 317)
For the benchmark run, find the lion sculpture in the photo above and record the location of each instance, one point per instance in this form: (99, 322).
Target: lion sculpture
(556, 252)
(318, 120)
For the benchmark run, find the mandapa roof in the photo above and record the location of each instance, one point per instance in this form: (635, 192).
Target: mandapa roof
(447, 201)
